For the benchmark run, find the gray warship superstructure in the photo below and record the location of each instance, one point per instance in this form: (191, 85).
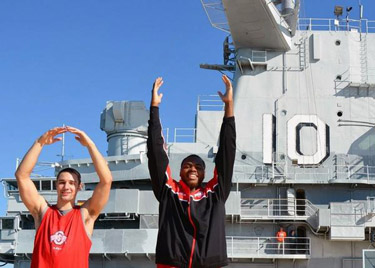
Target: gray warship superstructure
(305, 112)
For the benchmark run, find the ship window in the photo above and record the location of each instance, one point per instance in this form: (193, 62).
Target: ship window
(37, 184)
(338, 42)
(12, 186)
(338, 77)
(339, 113)
(283, 112)
(243, 157)
(7, 224)
(46, 185)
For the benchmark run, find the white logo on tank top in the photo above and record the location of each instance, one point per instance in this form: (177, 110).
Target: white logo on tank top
(58, 238)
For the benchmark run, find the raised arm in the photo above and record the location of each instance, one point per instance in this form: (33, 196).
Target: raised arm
(227, 142)
(34, 202)
(157, 156)
(96, 203)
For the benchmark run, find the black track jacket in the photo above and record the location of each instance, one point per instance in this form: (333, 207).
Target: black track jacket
(191, 224)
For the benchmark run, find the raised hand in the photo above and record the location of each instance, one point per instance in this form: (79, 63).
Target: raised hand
(228, 96)
(49, 136)
(80, 136)
(156, 97)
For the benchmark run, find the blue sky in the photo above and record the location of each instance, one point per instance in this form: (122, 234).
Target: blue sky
(60, 61)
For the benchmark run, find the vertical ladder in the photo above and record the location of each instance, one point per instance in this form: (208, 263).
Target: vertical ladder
(125, 145)
(302, 54)
(363, 58)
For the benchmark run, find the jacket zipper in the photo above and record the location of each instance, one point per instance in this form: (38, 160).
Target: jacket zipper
(194, 236)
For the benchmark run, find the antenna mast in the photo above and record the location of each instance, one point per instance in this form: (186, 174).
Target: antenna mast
(62, 147)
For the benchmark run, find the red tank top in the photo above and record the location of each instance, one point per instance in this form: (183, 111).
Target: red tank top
(61, 241)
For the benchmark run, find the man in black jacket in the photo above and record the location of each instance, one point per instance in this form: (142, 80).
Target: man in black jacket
(191, 217)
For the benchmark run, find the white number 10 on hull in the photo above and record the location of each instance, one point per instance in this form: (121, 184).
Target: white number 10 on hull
(294, 126)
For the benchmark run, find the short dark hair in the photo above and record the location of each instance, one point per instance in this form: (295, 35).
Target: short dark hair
(194, 156)
(72, 171)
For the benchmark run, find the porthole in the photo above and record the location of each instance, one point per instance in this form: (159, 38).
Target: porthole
(339, 113)
(338, 77)
(338, 42)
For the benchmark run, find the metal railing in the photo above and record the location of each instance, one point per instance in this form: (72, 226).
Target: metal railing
(319, 24)
(210, 103)
(348, 214)
(184, 134)
(355, 74)
(277, 208)
(46, 184)
(180, 135)
(260, 173)
(370, 205)
(166, 135)
(334, 173)
(268, 247)
(204, 103)
(216, 15)
(215, 12)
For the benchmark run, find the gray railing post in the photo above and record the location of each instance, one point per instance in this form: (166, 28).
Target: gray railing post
(232, 245)
(258, 247)
(368, 175)
(348, 172)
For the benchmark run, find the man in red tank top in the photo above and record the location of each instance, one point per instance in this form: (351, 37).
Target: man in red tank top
(63, 230)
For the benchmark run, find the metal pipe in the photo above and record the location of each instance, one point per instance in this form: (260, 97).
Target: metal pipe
(284, 74)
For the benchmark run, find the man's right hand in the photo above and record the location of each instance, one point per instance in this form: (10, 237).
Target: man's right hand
(156, 98)
(49, 136)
